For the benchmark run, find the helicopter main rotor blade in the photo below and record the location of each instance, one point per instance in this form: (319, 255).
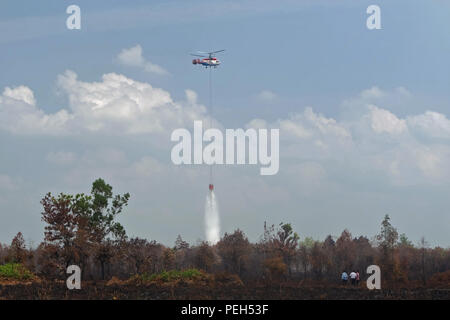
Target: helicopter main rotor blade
(210, 53)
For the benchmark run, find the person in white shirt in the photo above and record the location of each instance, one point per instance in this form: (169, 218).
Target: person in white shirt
(353, 277)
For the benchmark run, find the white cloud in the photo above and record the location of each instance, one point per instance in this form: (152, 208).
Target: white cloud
(256, 124)
(377, 94)
(132, 57)
(19, 114)
(372, 93)
(384, 121)
(309, 124)
(431, 123)
(376, 138)
(429, 162)
(20, 93)
(120, 103)
(371, 143)
(116, 105)
(402, 91)
(266, 96)
(294, 128)
(191, 96)
(326, 125)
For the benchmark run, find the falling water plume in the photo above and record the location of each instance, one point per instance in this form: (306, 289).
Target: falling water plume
(212, 220)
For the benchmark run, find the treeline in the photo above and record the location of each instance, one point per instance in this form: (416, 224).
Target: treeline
(82, 230)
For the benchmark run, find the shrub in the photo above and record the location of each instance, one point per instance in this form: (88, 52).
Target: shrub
(15, 271)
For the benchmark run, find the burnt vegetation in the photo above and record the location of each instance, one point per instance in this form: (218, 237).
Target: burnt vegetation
(83, 230)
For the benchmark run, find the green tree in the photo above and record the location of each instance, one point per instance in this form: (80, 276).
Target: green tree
(388, 236)
(308, 242)
(102, 213)
(404, 241)
(286, 243)
(104, 209)
(387, 241)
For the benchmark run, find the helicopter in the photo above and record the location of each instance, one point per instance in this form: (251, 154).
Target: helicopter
(209, 60)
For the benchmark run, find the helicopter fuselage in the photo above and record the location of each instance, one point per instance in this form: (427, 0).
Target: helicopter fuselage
(207, 62)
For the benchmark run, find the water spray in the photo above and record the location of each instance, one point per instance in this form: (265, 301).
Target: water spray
(212, 219)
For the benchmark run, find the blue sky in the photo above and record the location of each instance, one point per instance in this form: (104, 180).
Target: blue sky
(378, 85)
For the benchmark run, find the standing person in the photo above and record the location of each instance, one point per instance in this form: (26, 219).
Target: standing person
(353, 278)
(357, 277)
(344, 278)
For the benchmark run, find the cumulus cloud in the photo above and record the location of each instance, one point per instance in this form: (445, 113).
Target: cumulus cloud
(19, 113)
(133, 57)
(294, 128)
(372, 93)
(406, 150)
(20, 93)
(310, 126)
(431, 123)
(383, 121)
(256, 124)
(266, 96)
(115, 105)
(413, 164)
